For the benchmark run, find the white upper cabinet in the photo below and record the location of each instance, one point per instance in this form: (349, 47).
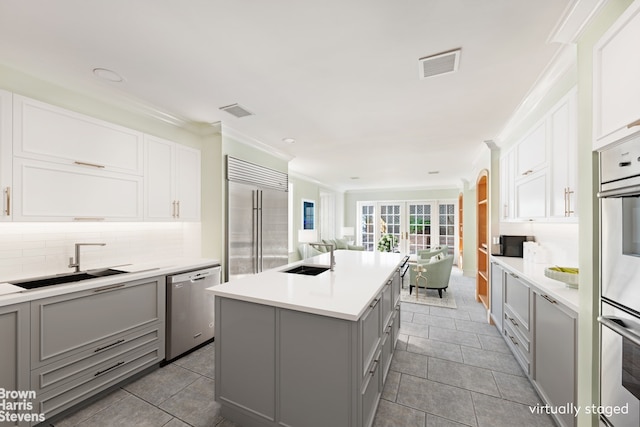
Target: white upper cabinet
(538, 176)
(564, 158)
(47, 191)
(5, 155)
(616, 71)
(531, 151)
(172, 181)
(45, 132)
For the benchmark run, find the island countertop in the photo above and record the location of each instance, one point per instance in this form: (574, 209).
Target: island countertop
(344, 293)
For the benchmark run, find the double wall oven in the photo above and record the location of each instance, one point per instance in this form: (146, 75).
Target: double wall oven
(620, 284)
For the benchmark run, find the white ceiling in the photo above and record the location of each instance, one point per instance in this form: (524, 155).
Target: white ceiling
(338, 76)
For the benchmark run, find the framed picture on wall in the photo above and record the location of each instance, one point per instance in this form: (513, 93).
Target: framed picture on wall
(308, 215)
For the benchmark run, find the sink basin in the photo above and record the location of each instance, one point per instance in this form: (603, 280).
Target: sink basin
(59, 279)
(308, 270)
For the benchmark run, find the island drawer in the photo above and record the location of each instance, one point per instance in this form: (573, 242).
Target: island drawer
(395, 328)
(520, 347)
(371, 391)
(370, 325)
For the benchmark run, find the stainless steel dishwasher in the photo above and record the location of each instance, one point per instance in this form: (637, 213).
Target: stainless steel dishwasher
(190, 310)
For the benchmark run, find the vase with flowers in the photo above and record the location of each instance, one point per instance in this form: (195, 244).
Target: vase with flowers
(387, 242)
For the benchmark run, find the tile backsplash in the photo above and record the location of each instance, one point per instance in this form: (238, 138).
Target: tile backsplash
(35, 249)
(560, 240)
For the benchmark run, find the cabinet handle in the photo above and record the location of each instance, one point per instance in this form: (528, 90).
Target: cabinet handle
(108, 288)
(197, 335)
(173, 210)
(93, 165)
(632, 124)
(178, 211)
(506, 211)
(107, 346)
(569, 193)
(108, 369)
(513, 340)
(513, 275)
(7, 193)
(375, 367)
(375, 302)
(88, 218)
(513, 321)
(527, 172)
(551, 300)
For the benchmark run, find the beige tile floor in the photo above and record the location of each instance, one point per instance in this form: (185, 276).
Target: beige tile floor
(450, 369)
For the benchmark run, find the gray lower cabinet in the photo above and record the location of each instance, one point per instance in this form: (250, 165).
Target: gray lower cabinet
(85, 342)
(281, 367)
(555, 354)
(517, 311)
(497, 292)
(14, 351)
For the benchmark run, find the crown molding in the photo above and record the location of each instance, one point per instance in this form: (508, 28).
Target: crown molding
(254, 143)
(574, 19)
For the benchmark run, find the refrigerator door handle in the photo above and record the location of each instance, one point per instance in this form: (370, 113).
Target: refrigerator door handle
(260, 231)
(256, 233)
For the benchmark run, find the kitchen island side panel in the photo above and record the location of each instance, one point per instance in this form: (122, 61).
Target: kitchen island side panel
(245, 349)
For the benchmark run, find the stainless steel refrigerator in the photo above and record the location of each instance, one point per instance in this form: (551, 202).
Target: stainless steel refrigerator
(257, 218)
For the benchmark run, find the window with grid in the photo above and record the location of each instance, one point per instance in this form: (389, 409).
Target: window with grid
(367, 231)
(447, 221)
(419, 227)
(390, 221)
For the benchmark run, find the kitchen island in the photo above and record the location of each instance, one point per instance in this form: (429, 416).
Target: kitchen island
(301, 350)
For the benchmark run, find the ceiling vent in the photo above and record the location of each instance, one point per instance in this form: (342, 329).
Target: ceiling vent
(237, 110)
(441, 63)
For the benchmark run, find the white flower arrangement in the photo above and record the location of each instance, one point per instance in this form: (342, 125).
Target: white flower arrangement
(387, 242)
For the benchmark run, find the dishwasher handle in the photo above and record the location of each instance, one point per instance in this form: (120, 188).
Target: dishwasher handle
(195, 276)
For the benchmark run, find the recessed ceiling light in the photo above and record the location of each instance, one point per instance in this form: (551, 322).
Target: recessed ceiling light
(354, 177)
(433, 172)
(108, 75)
(289, 140)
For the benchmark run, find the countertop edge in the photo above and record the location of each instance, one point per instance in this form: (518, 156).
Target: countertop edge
(134, 272)
(534, 273)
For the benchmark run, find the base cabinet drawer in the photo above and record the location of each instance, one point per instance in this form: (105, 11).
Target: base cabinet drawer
(77, 324)
(387, 350)
(65, 371)
(371, 391)
(370, 333)
(61, 398)
(395, 327)
(520, 347)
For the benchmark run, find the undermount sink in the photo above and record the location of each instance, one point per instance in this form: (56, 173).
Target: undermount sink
(59, 279)
(308, 270)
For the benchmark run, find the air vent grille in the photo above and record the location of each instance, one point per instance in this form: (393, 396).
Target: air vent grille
(441, 63)
(237, 110)
(250, 173)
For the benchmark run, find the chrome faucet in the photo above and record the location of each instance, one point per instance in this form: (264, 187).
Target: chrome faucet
(76, 263)
(332, 263)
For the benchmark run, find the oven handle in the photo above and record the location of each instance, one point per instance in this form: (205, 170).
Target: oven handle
(611, 323)
(632, 190)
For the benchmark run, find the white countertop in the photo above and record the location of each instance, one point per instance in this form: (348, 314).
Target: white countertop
(344, 293)
(11, 294)
(534, 273)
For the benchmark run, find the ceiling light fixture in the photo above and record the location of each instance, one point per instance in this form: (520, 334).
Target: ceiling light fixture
(108, 75)
(289, 140)
(433, 172)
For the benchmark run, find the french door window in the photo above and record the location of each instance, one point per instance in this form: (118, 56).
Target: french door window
(415, 225)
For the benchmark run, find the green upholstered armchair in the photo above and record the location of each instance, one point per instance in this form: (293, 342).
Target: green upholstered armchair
(437, 274)
(426, 254)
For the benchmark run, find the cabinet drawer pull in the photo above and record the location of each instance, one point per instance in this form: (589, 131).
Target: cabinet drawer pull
(197, 335)
(374, 368)
(514, 275)
(513, 321)
(7, 193)
(548, 298)
(632, 124)
(513, 340)
(527, 172)
(88, 218)
(374, 303)
(178, 210)
(107, 346)
(108, 369)
(108, 288)
(93, 165)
